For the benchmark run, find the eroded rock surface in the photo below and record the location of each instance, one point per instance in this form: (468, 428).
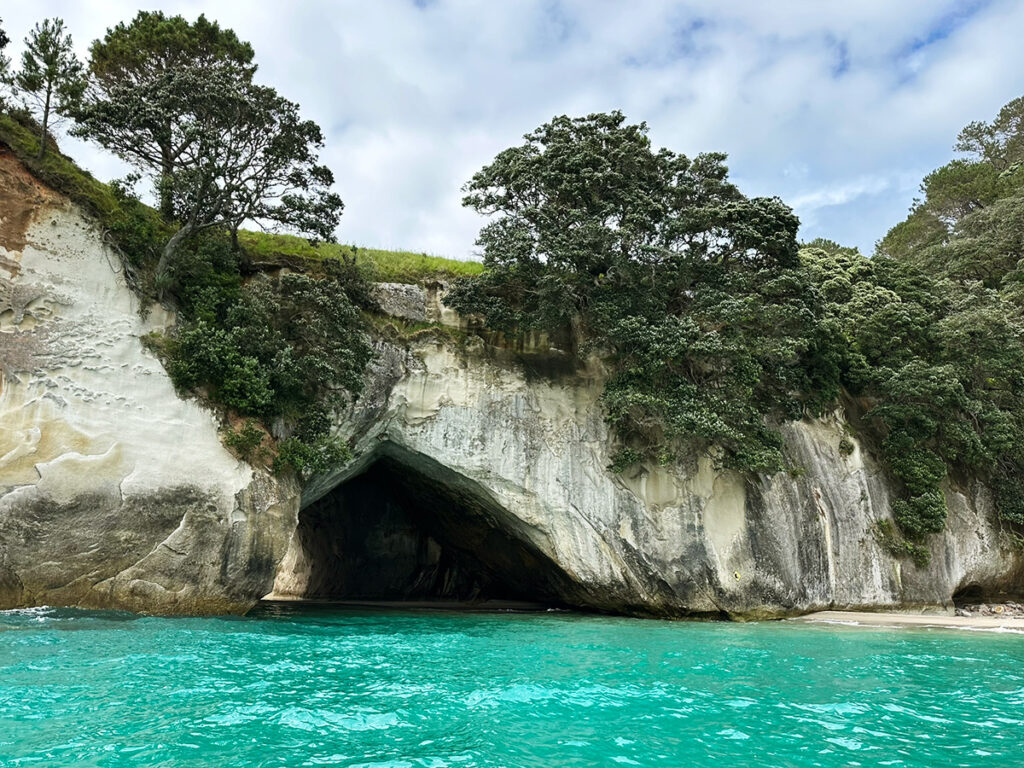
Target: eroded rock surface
(656, 541)
(114, 492)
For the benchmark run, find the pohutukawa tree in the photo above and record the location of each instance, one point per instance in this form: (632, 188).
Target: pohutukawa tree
(251, 158)
(690, 289)
(51, 79)
(178, 101)
(134, 107)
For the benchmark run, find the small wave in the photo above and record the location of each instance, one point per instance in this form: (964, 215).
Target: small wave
(843, 622)
(38, 613)
(998, 630)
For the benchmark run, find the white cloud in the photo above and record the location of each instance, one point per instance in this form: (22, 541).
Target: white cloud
(832, 195)
(833, 105)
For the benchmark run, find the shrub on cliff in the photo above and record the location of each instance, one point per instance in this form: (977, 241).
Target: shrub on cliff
(291, 348)
(691, 290)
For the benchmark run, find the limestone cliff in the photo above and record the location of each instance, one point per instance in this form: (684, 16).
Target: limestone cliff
(114, 492)
(478, 471)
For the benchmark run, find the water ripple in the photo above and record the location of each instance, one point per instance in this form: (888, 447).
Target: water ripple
(82, 688)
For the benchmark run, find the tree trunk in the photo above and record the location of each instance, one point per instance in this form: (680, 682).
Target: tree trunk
(168, 255)
(46, 119)
(166, 176)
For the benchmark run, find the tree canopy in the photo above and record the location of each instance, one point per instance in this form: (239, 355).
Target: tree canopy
(4, 40)
(252, 158)
(51, 78)
(716, 328)
(178, 101)
(134, 106)
(690, 288)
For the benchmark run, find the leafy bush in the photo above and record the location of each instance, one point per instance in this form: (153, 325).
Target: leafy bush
(271, 348)
(893, 542)
(920, 515)
(311, 458)
(691, 291)
(247, 440)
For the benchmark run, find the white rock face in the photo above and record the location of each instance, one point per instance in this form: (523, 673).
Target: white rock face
(534, 451)
(114, 492)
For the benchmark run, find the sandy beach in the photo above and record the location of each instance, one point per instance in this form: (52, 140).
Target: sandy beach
(875, 619)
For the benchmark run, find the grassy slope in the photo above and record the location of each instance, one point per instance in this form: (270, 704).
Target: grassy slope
(383, 266)
(118, 217)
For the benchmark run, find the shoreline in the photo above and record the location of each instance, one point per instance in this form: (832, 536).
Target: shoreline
(910, 620)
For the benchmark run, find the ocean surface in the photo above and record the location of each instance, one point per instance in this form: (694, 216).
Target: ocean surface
(290, 687)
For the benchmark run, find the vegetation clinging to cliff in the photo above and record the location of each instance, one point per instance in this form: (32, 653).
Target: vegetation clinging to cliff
(716, 331)
(691, 290)
(964, 242)
(284, 350)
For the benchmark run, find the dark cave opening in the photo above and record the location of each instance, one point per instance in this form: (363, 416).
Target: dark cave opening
(407, 529)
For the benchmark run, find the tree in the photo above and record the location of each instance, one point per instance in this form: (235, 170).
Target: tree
(960, 199)
(5, 64)
(250, 157)
(4, 61)
(51, 75)
(130, 109)
(689, 289)
(999, 143)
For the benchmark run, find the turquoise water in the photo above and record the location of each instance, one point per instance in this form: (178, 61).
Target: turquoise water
(429, 689)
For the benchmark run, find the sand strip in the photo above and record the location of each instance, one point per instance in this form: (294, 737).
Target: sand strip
(871, 619)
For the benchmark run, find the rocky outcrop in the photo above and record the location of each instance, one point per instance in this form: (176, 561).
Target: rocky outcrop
(478, 470)
(114, 492)
(533, 452)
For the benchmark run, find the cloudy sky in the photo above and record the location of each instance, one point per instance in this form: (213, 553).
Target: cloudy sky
(837, 106)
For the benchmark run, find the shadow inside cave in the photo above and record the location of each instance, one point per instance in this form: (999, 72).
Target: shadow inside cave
(409, 531)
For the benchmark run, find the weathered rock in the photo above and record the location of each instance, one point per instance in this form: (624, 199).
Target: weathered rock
(400, 300)
(533, 451)
(114, 492)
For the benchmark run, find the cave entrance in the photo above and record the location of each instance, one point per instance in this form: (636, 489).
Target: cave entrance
(408, 530)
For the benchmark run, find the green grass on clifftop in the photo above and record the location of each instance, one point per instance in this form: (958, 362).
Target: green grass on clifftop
(378, 265)
(135, 228)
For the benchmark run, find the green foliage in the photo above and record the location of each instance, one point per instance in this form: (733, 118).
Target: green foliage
(893, 542)
(270, 348)
(246, 441)
(311, 458)
(954, 395)
(271, 351)
(375, 265)
(920, 515)
(1009, 494)
(625, 458)
(132, 107)
(178, 101)
(691, 291)
(287, 351)
(51, 78)
(5, 62)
